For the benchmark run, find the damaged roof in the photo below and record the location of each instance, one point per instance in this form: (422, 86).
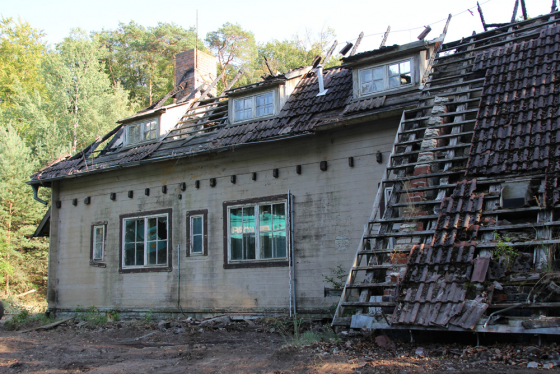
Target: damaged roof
(205, 127)
(475, 185)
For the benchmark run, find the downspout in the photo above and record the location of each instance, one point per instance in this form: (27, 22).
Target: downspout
(179, 278)
(293, 259)
(35, 192)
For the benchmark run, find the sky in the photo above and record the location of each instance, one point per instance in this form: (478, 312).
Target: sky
(273, 20)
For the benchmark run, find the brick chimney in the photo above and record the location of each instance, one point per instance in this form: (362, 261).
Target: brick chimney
(205, 71)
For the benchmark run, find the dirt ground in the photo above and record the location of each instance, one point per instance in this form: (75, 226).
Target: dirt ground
(220, 346)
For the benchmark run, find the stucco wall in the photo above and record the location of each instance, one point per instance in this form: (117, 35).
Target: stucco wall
(330, 210)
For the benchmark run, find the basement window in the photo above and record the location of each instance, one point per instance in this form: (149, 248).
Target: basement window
(98, 240)
(256, 232)
(145, 241)
(256, 106)
(142, 131)
(385, 77)
(197, 233)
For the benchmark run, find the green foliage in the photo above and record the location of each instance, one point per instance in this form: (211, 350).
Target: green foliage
(19, 215)
(91, 316)
(140, 59)
(21, 54)
(234, 48)
(502, 249)
(24, 318)
(337, 278)
(113, 315)
(148, 316)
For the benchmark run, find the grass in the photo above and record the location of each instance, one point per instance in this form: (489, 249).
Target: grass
(311, 337)
(24, 318)
(91, 316)
(292, 331)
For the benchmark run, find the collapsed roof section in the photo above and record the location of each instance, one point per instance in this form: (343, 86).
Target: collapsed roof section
(468, 239)
(206, 124)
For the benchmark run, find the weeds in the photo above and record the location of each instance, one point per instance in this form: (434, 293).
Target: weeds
(91, 316)
(337, 278)
(294, 336)
(502, 249)
(148, 316)
(24, 317)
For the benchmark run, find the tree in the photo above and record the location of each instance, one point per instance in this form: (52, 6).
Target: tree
(234, 48)
(19, 213)
(21, 54)
(83, 105)
(141, 59)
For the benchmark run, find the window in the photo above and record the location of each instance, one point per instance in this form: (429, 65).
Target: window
(142, 131)
(256, 232)
(253, 106)
(197, 233)
(146, 241)
(385, 77)
(98, 240)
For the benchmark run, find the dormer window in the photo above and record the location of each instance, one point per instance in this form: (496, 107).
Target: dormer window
(255, 106)
(385, 77)
(141, 131)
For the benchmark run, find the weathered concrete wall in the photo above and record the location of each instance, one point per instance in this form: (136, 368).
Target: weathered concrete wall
(330, 210)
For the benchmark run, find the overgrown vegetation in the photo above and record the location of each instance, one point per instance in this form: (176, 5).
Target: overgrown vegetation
(91, 316)
(502, 248)
(297, 332)
(337, 277)
(24, 318)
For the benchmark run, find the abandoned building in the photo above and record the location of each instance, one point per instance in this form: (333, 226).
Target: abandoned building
(243, 203)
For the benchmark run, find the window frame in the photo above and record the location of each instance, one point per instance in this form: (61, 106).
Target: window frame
(385, 67)
(99, 262)
(142, 123)
(147, 268)
(253, 98)
(255, 263)
(197, 213)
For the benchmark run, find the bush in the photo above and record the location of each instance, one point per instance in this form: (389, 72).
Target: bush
(25, 318)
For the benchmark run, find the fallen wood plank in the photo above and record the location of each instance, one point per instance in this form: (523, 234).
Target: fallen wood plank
(128, 340)
(49, 326)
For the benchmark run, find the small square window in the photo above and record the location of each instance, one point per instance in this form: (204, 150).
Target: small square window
(197, 233)
(98, 243)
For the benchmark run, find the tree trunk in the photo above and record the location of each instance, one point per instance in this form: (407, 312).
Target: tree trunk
(9, 239)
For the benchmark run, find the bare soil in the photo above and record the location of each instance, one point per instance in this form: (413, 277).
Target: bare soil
(245, 347)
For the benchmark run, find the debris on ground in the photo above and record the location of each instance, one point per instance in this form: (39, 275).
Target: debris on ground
(273, 345)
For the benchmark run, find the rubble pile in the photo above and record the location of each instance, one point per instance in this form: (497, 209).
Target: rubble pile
(443, 356)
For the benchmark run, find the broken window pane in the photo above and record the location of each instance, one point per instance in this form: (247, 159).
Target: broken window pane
(145, 241)
(162, 253)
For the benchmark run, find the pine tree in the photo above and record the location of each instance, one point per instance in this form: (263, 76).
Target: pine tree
(19, 213)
